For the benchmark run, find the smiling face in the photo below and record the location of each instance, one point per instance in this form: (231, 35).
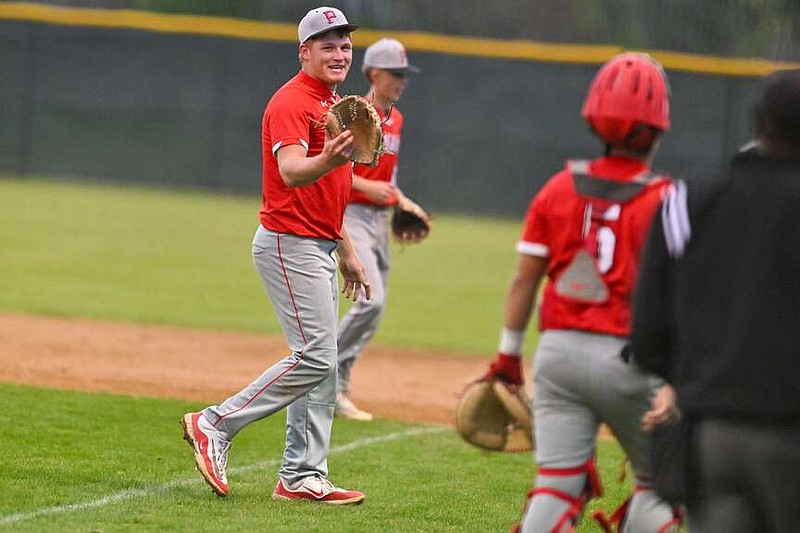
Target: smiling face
(327, 57)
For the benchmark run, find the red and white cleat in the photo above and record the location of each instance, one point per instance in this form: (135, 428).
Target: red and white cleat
(316, 489)
(210, 451)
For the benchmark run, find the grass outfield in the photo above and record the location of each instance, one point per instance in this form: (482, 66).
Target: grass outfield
(183, 258)
(98, 462)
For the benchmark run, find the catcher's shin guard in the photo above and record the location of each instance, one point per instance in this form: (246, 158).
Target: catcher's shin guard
(556, 502)
(642, 511)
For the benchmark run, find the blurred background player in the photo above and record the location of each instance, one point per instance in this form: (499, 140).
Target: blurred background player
(375, 192)
(716, 314)
(306, 182)
(584, 231)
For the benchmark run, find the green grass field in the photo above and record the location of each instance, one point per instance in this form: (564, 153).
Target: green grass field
(90, 462)
(98, 462)
(183, 258)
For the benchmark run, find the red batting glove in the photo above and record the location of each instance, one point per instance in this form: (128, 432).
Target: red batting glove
(506, 368)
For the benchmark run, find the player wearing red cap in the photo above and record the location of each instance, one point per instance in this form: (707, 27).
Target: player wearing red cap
(583, 232)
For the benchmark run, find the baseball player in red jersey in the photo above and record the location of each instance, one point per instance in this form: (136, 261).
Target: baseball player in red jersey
(306, 182)
(584, 232)
(368, 211)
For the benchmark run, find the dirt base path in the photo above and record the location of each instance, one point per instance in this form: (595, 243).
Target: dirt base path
(208, 366)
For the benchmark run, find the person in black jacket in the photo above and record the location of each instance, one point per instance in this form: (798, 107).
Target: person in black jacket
(717, 315)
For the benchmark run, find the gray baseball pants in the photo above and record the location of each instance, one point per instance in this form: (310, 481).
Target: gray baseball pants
(369, 230)
(579, 382)
(299, 275)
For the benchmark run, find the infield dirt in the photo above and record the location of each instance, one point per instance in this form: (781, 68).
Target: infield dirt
(412, 385)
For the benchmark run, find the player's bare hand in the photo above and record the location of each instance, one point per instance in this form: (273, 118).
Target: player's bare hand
(408, 204)
(354, 277)
(380, 192)
(664, 409)
(339, 149)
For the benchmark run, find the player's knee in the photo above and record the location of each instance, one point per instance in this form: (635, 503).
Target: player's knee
(573, 484)
(321, 361)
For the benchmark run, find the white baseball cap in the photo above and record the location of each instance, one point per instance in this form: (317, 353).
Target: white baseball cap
(320, 20)
(387, 54)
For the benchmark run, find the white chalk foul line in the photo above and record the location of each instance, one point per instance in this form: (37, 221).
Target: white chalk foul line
(141, 493)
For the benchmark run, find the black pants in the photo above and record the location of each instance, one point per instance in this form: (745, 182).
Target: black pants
(745, 477)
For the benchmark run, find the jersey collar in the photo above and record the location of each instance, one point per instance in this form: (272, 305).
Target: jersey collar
(615, 166)
(319, 89)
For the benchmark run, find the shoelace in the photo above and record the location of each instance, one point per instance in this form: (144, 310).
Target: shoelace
(222, 458)
(325, 486)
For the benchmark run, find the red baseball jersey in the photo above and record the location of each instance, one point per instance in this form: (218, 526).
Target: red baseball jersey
(591, 220)
(294, 115)
(386, 169)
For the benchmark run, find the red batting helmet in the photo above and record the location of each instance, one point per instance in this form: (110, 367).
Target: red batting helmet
(628, 92)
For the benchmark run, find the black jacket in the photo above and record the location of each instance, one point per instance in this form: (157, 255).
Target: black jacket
(717, 305)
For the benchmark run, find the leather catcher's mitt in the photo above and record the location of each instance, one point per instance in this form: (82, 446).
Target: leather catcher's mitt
(357, 114)
(407, 227)
(493, 417)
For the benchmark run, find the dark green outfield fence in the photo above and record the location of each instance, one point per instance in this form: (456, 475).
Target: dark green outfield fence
(178, 107)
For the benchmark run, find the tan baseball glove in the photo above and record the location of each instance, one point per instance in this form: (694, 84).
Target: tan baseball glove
(357, 114)
(494, 416)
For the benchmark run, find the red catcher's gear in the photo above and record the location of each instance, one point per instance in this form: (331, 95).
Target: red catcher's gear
(629, 91)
